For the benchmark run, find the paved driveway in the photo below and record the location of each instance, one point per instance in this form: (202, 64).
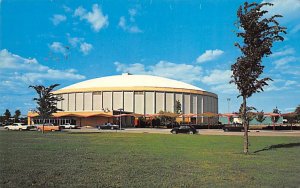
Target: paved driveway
(201, 131)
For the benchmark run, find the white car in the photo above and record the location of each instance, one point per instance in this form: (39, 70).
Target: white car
(68, 126)
(18, 126)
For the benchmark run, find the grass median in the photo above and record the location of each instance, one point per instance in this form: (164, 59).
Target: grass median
(59, 159)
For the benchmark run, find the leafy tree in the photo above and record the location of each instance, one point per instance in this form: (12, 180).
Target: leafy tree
(260, 116)
(7, 115)
(291, 118)
(177, 107)
(275, 118)
(250, 115)
(17, 115)
(46, 101)
(231, 119)
(297, 111)
(258, 33)
(167, 118)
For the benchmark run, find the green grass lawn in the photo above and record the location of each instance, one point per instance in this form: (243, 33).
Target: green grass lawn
(145, 160)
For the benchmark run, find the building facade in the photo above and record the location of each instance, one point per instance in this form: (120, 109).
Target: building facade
(138, 94)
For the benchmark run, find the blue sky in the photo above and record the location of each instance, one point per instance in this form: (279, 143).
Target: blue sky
(51, 41)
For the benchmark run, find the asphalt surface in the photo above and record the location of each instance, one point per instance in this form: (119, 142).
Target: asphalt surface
(201, 131)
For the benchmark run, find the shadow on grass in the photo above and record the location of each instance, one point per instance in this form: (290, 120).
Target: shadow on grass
(289, 145)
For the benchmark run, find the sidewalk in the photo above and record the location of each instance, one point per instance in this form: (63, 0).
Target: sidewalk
(201, 131)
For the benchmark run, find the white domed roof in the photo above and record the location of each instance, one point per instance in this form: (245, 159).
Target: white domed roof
(127, 80)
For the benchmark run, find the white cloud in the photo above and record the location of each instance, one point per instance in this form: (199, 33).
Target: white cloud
(58, 18)
(96, 17)
(289, 9)
(284, 52)
(290, 82)
(134, 29)
(66, 8)
(283, 61)
(219, 81)
(209, 55)
(130, 27)
(281, 85)
(132, 13)
(225, 88)
(58, 47)
(295, 29)
(291, 109)
(183, 72)
(74, 41)
(85, 48)
(80, 44)
(217, 77)
(17, 72)
(122, 22)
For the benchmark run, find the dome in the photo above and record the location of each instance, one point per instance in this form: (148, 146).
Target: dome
(128, 80)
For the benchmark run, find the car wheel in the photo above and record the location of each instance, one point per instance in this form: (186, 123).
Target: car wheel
(226, 130)
(70, 127)
(20, 129)
(52, 130)
(112, 128)
(191, 132)
(38, 129)
(174, 132)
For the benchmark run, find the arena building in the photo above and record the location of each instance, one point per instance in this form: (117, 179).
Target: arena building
(96, 101)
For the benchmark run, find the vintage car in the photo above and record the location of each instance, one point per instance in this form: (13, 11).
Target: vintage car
(18, 126)
(108, 126)
(68, 126)
(47, 127)
(236, 127)
(184, 129)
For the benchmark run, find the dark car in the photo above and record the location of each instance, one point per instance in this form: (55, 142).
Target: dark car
(184, 129)
(236, 127)
(108, 126)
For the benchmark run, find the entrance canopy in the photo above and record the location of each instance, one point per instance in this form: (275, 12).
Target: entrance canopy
(74, 114)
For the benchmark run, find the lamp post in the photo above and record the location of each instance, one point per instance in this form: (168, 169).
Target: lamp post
(228, 100)
(120, 119)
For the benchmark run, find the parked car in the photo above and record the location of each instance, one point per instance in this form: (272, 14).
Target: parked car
(68, 126)
(18, 126)
(47, 127)
(108, 126)
(236, 127)
(184, 129)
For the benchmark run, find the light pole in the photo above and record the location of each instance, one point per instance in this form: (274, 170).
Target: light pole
(120, 119)
(228, 100)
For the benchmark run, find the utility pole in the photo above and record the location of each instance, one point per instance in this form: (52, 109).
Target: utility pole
(228, 101)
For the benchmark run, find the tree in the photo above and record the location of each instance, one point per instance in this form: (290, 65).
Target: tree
(177, 107)
(167, 118)
(291, 118)
(297, 111)
(17, 115)
(46, 101)
(250, 115)
(258, 33)
(231, 119)
(275, 118)
(7, 115)
(260, 116)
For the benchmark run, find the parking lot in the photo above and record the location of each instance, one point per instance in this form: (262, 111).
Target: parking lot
(201, 131)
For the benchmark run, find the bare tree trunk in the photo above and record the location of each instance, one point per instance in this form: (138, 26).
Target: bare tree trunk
(245, 124)
(43, 125)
